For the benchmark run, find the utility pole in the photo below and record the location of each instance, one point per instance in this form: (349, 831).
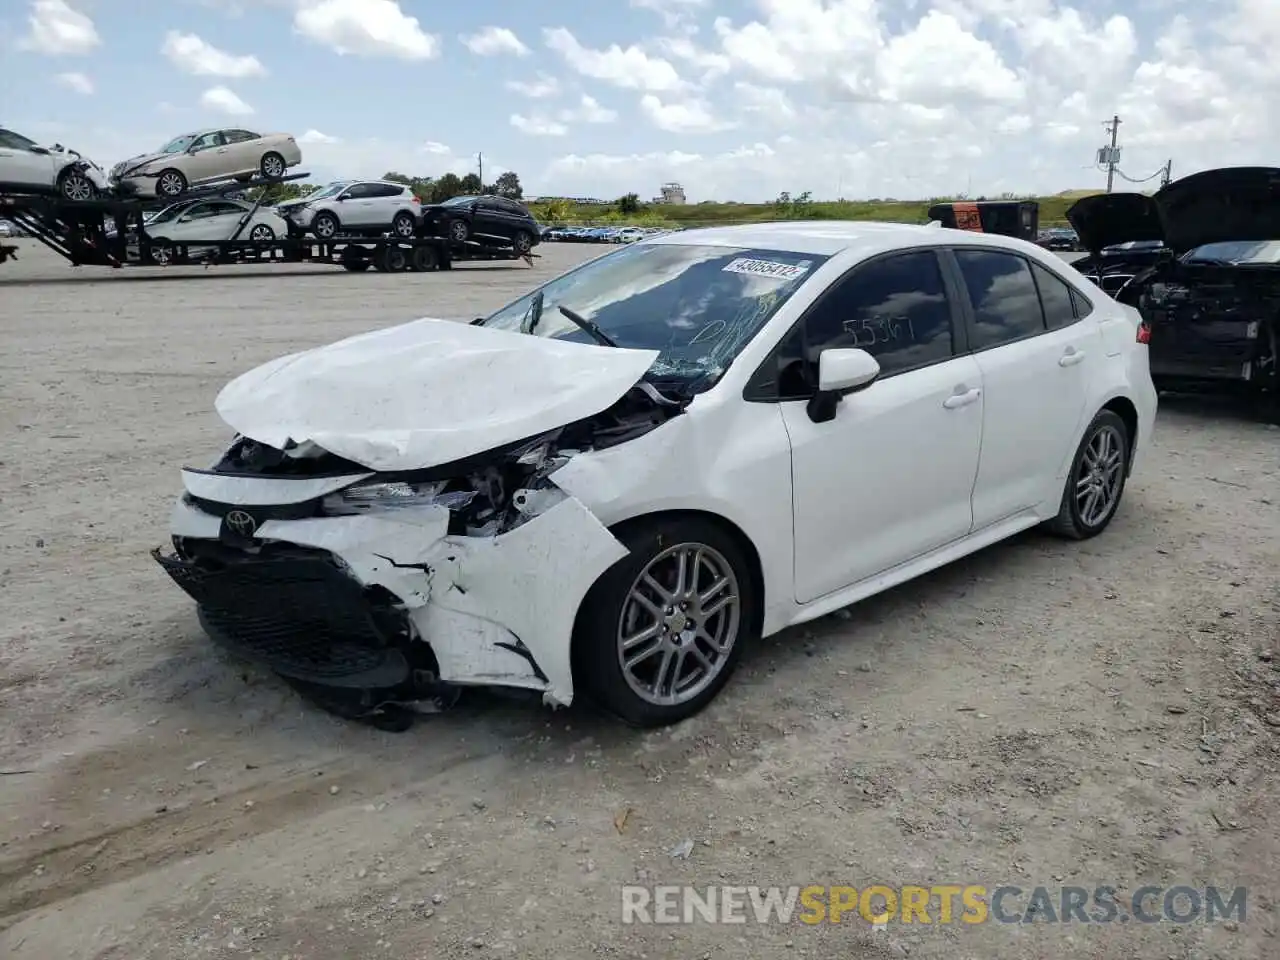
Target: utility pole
(1114, 128)
(480, 160)
(1168, 173)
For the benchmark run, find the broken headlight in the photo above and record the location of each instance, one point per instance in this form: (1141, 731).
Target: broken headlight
(367, 497)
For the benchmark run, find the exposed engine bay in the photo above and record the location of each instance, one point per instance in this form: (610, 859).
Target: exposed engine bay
(375, 593)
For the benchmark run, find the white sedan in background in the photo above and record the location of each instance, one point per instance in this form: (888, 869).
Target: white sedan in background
(207, 156)
(188, 222)
(614, 484)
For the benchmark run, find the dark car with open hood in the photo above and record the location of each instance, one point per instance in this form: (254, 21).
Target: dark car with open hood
(1200, 260)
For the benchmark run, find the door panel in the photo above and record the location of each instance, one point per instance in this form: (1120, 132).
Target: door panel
(889, 479)
(1036, 380)
(891, 476)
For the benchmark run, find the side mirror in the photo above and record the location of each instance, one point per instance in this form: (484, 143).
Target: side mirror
(340, 198)
(841, 370)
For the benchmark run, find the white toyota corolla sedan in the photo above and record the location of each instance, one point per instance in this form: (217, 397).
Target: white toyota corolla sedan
(611, 486)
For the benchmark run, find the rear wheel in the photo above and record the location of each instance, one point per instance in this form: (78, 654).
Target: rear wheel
(403, 225)
(424, 259)
(162, 252)
(662, 630)
(171, 183)
(262, 233)
(459, 231)
(1095, 482)
(272, 166)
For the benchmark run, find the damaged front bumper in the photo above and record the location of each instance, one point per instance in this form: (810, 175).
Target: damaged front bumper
(366, 601)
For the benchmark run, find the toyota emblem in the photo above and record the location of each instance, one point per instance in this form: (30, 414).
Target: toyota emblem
(241, 523)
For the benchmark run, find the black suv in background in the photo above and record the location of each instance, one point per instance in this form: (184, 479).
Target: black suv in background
(491, 220)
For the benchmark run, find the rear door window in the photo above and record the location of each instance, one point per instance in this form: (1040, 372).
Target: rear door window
(1003, 294)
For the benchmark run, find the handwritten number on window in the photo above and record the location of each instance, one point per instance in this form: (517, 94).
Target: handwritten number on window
(870, 332)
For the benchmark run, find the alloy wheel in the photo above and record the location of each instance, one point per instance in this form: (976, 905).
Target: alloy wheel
(1099, 475)
(679, 624)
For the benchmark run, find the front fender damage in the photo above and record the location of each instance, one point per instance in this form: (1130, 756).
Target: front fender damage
(495, 610)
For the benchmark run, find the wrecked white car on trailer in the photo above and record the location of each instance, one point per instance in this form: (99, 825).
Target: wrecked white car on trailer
(612, 484)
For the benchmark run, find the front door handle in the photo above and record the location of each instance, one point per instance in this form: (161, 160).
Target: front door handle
(1071, 358)
(962, 399)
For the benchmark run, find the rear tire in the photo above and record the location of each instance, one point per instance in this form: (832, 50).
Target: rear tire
(424, 259)
(683, 639)
(272, 166)
(162, 252)
(403, 225)
(1095, 483)
(459, 231)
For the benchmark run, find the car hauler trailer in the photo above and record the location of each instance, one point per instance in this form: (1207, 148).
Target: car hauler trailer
(111, 232)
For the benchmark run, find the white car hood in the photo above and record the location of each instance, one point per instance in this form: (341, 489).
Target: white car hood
(427, 393)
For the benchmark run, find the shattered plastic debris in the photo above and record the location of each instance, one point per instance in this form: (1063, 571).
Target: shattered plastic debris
(681, 850)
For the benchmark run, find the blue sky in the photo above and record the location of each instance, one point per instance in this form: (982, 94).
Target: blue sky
(736, 99)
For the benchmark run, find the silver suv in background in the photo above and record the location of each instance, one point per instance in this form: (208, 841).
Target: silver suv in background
(355, 206)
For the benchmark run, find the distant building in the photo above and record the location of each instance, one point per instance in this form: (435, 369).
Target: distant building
(671, 193)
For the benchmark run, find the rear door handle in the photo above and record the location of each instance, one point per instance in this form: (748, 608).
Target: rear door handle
(1071, 358)
(962, 399)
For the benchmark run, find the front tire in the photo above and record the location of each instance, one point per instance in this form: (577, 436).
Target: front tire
(524, 243)
(325, 225)
(262, 234)
(661, 632)
(162, 252)
(171, 183)
(1096, 480)
(75, 186)
(459, 231)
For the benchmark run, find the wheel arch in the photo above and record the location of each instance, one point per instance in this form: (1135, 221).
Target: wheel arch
(752, 556)
(1125, 409)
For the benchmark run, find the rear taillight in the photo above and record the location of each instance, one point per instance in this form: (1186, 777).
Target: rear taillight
(1144, 332)
(415, 200)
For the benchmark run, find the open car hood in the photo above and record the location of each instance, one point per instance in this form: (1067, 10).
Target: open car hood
(1107, 219)
(427, 393)
(1230, 203)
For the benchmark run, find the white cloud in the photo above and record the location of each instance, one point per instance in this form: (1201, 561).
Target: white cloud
(630, 68)
(315, 136)
(589, 110)
(190, 54)
(771, 102)
(57, 29)
(435, 148)
(542, 86)
(366, 28)
(76, 81)
(492, 41)
(538, 126)
(675, 14)
(689, 116)
(222, 100)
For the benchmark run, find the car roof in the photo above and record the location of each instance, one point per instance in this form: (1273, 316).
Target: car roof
(829, 237)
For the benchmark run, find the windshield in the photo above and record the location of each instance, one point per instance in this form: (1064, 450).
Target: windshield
(328, 190)
(457, 201)
(698, 306)
(1237, 251)
(169, 212)
(178, 144)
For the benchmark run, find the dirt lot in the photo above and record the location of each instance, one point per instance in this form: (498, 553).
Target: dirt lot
(1040, 714)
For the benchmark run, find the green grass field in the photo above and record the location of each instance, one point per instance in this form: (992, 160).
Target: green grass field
(1052, 212)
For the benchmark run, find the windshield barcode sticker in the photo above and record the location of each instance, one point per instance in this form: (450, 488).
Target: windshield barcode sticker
(767, 268)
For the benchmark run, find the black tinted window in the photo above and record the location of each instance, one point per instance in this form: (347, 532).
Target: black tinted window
(1055, 297)
(896, 309)
(1006, 305)
(359, 191)
(385, 190)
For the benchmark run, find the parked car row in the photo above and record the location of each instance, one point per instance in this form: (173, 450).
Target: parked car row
(1059, 238)
(601, 234)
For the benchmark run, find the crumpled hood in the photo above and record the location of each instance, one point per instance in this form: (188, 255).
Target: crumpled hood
(1108, 219)
(1230, 203)
(140, 159)
(427, 393)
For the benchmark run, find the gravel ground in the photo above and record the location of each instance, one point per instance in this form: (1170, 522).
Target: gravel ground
(1039, 714)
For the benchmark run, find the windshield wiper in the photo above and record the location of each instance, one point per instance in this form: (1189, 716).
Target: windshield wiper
(534, 313)
(582, 323)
